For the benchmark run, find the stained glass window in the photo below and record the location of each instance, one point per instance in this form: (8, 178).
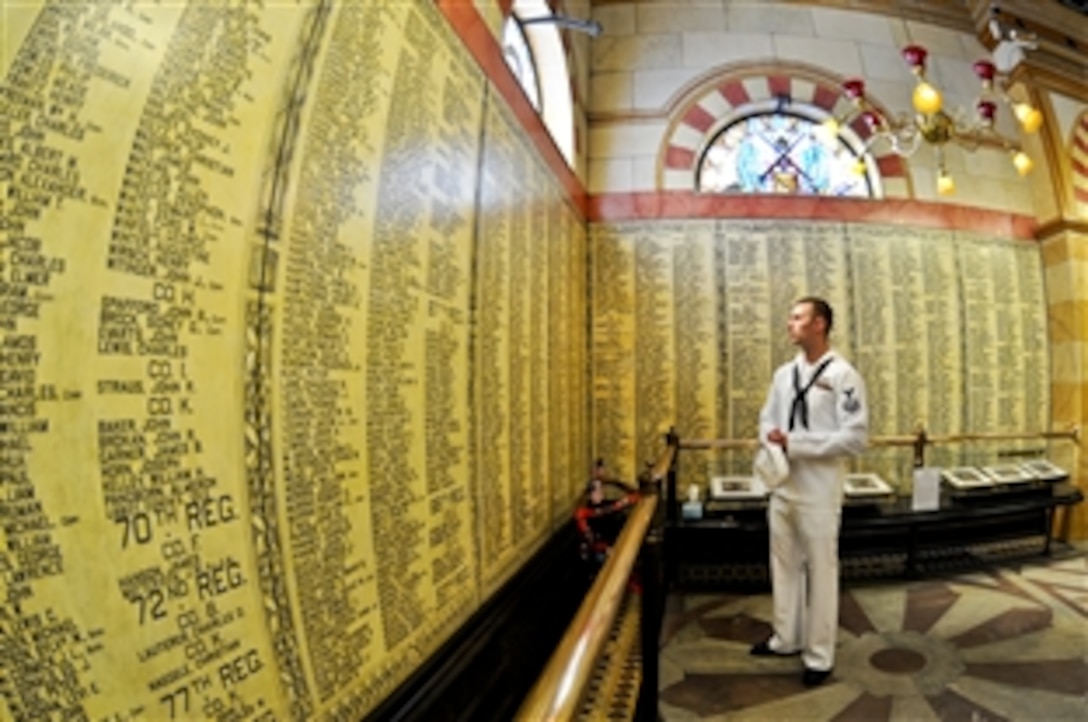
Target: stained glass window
(780, 152)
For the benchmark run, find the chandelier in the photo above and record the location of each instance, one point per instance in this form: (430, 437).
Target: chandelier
(905, 132)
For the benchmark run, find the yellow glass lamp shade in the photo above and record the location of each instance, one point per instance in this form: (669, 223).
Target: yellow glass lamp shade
(926, 99)
(1030, 118)
(945, 185)
(1022, 162)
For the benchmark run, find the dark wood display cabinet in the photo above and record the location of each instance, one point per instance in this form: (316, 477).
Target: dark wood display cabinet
(881, 537)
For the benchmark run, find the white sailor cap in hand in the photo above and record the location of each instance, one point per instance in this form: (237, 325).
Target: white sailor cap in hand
(771, 466)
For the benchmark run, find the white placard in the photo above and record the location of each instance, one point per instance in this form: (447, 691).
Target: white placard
(926, 495)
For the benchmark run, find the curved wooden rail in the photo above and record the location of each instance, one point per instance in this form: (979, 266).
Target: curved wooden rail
(556, 694)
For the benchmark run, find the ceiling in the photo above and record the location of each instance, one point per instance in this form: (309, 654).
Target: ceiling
(1057, 26)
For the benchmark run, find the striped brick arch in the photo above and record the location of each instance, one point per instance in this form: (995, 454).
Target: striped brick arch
(715, 103)
(1079, 153)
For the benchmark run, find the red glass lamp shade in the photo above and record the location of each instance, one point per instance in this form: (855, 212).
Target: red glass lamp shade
(854, 89)
(986, 111)
(915, 55)
(872, 119)
(985, 71)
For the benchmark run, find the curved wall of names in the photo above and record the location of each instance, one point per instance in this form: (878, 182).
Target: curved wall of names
(293, 355)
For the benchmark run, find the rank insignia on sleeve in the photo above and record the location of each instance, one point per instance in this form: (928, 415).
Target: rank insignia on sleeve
(851, 404)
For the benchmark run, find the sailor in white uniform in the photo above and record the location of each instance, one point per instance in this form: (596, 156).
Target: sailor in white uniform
(816, 411)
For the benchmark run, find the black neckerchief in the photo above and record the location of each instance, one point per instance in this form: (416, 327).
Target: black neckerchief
(799, 409)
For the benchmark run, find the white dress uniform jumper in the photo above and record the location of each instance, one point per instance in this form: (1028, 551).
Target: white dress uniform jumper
(823, 406)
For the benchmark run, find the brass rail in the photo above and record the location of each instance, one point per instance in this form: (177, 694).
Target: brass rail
(719, 443)
(900, 440)
(557, 692)
(559, 689)
(1073, 434)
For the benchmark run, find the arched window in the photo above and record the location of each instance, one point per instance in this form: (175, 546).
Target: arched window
(1078, 149)
(779, 151)
(537, 57)
(515, 49)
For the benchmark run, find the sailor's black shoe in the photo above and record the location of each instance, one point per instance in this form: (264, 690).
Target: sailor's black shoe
(763, 649)
(815, 677)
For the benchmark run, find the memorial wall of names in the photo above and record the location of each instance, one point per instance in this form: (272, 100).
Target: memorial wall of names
(293, 355)
(689, 322)
(294, 359)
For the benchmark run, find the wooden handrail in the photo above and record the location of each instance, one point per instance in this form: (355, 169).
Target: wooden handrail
(557, 692)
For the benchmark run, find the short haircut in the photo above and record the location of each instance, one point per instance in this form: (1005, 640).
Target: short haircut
(820, 308)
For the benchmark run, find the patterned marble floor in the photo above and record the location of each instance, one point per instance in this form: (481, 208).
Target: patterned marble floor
(1008, 643)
